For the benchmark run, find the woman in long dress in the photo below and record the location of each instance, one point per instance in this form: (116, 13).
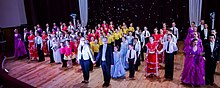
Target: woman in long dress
(56, 51)
(193, 71)
(117, 70)
(44, 37)
(32, 49)
(19, 46)
(123, 52)
(151, 60)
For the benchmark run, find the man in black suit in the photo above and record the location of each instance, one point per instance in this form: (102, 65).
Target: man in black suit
(205, 34)
(201, 26)
(217, 39)
(105, 56)
(26, 34)
(212, 55)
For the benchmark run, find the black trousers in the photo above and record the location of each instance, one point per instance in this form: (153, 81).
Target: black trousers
(169, 65)
(98, 62)
(40, 53)
(90, 65)
(85, 68)
(142, 52)
(63, 61)
(26, 47)
(131, 68)
(210, 66)
(138, 62)
(51, 56)
(106, 72)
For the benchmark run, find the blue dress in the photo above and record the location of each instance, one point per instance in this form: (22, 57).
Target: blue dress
(123, 52)
(117, 71)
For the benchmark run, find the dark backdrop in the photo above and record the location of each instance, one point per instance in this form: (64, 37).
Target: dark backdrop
(150, 13)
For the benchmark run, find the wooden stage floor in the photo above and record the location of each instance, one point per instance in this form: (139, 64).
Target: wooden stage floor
(45, 75)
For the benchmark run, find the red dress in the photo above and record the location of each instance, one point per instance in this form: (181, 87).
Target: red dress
(160, 46)
(151, 60)
(44, 38)
(64, 28)
(164, 30)
(156, 37)
(32, 49)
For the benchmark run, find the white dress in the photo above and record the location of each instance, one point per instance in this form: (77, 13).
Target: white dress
(56, 53)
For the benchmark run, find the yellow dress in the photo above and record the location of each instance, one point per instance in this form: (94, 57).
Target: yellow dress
(116, 36)
(109, 40)
(131, 29)
(100, 41)
(112, 38)
(95, 48)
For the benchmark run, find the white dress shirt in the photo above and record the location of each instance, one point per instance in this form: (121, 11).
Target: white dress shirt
(25, 34)
(212, 44)
(175, 31)
(47, 29)
(38, 40)
(147, 34)
(49, 44)
(133, 55)
(206, 33)
(202, 27)
(104, 52)
(172, 47)
(174, 39)
(70, 27)
(86, 53)
(137, 47)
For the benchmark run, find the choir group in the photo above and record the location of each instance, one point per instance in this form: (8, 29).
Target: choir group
(122, 48)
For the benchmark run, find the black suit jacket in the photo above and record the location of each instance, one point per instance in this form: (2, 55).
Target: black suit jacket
(199, 29)
(108, 55)
(216, 52)
(202, 35)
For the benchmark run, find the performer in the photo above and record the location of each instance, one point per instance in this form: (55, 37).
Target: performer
(169, 32)
(117, 70)
(131, 59)
(56, 51)
(32, 49)
(95, 50)
(50, 45)
(175, 31)
(201, 27)
(146, 34)
(156, 36)
(44, 37)
(204, 34)
(137, 48)
(212, 56)
(48, 30)
(26, 42)
(19, 45)
(143, 50)
(171, 48)
(39, 45)
(84, 57)
(106, 59)
(217, 39)
(123, 52)
(193, 72)
(62, 52)
(131, 28)
(164, 28)
(68, 54)
(130, 38)
(151, 60)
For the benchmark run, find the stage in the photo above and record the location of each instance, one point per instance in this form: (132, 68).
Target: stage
(45, 75)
